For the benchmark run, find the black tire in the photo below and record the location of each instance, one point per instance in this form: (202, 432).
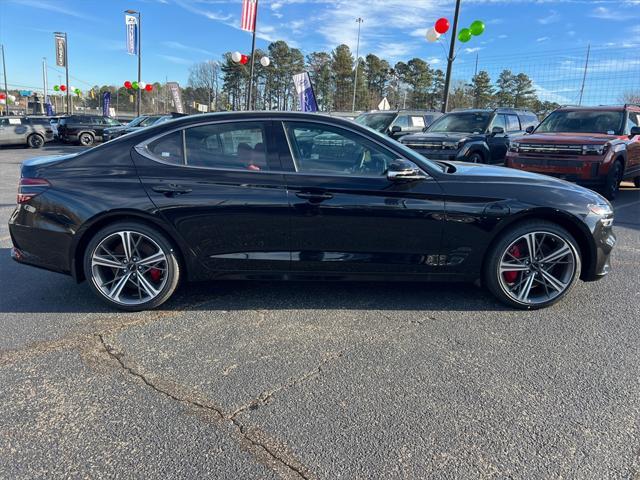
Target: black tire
(636, 182)
(86, 139)
(35, 141)
(492, 272)
(475, 157)
(612, 184)
(172, 270)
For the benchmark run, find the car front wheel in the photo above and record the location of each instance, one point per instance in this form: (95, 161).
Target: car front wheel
(35, 141)
(614, 177)
(131, 266)
(533, 265)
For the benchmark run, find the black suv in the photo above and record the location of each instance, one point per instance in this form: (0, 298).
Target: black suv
(84, 129)
(398, 123)
(477, 136)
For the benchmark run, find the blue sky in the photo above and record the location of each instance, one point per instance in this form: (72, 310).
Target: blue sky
(178, 33)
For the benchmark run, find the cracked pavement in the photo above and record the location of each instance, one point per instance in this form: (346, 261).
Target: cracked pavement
(318, 380)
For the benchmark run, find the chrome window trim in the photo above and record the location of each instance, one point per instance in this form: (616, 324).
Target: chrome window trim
(143, 149)
(393, 154)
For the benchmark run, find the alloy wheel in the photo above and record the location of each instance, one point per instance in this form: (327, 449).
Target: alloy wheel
(129, 268)
(537, 267)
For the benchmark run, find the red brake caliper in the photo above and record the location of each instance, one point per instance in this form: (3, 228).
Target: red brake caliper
(155, 274)
(511, 277)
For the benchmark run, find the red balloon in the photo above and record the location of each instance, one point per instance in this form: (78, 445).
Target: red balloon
(442, 25)
(148, 87)
(63, 87)
(2, 96)
(244, 59)
(127, 84)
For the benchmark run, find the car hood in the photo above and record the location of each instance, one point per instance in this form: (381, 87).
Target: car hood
(480, 173)
(118, 129)
(437, 137)
(568, 138)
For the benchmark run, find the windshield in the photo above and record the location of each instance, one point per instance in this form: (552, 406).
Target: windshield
(465, 122)
(136, 121)
(578, 121)
(377, 121)
(149, 121)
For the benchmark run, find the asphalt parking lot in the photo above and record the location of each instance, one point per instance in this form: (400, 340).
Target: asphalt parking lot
(318, 380)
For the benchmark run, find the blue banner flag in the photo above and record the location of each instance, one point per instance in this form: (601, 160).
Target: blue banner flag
(106, 103)
(48, 107)
(131, 21)
(306, 95)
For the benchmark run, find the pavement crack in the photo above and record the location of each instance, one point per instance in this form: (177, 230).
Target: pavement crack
(281, 461)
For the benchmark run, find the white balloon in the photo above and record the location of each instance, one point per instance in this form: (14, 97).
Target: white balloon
(432, 35)
(236, 56)
(265, 62)
(142, 85)
(73, 89)
(12, 98)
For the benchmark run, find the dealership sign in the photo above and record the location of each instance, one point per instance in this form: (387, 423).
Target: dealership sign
(61, 50)
(131, 21)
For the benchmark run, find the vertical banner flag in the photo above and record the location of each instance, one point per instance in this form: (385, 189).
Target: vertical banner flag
(248, 19)
(174, 88)
(131, 21)
(304, 89)
(106, 104)
(48, 107)
(61, 50)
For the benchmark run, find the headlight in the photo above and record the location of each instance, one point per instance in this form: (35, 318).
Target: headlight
(514, 146)
(600, 209)
(594, 149)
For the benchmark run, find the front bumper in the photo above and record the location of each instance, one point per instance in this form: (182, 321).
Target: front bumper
(451, 154)
(584, 170)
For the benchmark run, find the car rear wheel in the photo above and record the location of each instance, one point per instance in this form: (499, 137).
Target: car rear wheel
(614, 177)
(35, 141)
(131, 266)
(533, 265)
(86, 139)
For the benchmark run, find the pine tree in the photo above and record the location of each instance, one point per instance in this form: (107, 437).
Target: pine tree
(506, 87)
(319, 67)
(342, 68)
(482, 90)
(523, 91)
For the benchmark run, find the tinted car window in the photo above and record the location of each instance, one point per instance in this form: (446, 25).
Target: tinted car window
(168, 148)
(227, 145)
(417, 121)
(466, 122)
(632, 121)
(402, 121)
(513, 124)
(577, 121)
(499, 121)
(377, 121)
(324, 149)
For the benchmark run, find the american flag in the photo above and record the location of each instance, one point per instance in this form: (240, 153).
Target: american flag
(249, 11)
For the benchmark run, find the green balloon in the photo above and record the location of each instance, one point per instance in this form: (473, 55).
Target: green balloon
(465, 35)
(477, 27)
(135, 85)
(56, 88)
(77, 91)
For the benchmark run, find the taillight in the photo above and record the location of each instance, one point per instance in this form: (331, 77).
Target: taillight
(31, 187)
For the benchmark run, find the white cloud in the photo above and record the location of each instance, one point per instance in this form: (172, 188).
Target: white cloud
(553, 17)
(177, 60)
(542, 39)
(605, 13)
(471, 50)
(186, 48)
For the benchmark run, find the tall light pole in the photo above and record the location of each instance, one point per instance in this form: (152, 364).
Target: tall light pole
(45, 84)
(355, 77)
(139, 91)
(451, 58)
(6, 90)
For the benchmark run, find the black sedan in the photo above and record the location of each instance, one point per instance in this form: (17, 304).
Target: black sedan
(287, 196)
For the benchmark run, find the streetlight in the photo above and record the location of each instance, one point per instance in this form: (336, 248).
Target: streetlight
(139, 94)
(6, 90)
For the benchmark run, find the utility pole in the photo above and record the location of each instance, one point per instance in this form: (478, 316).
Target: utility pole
(45, 84)
(451, 58)
(584, 77)
(355, 77)
(139, 91)
(6, 90)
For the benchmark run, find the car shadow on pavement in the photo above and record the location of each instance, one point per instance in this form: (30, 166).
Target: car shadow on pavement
(627, 207)
(30, 290)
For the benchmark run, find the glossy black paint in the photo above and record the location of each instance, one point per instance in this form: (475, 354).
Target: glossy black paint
(283, 224)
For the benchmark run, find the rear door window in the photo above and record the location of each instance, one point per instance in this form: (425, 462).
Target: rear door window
(513, 124)
(499, 121)
(402, 121)
(168, 148)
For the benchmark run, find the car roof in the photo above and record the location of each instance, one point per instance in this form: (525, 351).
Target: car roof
(607, 108)
(401, 111)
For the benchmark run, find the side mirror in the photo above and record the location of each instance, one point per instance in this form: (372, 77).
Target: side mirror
(497, 131)
(396, 129)
(635, 131)
(402, 170)
(530, 129)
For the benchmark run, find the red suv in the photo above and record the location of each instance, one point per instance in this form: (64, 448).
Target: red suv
(593, 146)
